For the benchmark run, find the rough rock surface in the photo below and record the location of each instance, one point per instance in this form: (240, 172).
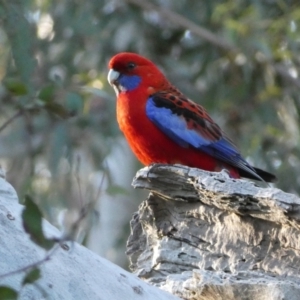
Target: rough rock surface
(203, 235)
(72, 272)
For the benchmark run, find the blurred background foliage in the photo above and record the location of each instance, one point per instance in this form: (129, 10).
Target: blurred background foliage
(59, 140)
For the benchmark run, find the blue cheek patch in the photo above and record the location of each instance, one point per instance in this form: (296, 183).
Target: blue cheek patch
(129, 83)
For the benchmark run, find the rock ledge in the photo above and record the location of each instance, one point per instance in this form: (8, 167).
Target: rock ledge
(203, 235)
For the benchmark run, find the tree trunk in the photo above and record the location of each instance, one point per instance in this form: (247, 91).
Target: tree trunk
(203, 235)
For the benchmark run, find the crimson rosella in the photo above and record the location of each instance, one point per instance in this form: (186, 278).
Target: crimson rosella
(161, 125)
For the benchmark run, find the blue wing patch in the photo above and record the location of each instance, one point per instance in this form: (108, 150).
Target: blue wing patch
(175, 127)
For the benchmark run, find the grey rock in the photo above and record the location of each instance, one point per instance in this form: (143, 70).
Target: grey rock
(203, 235)
(72, 271)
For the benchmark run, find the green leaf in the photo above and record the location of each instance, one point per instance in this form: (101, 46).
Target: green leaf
(74, 103)
(32, 223)
(7, 293)
(15, 86)
(59, 142)
(20, 36)
(57, 109)
(47, 93)
(32, 276)
(116, 190)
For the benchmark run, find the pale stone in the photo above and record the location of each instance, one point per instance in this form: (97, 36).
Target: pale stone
(203, 235)
(72, 273)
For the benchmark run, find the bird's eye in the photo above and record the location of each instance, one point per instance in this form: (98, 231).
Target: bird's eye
(131, 66)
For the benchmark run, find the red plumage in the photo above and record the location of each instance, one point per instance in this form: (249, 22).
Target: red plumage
(136, 79)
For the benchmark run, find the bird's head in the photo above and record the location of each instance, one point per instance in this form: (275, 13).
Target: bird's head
(128, 71)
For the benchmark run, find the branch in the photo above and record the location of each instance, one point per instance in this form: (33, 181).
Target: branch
(33, 265)
(10, 120)
(186, 24)
(282, 70)
(205, 34)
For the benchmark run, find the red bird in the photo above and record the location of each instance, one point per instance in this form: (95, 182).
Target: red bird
(161, 125)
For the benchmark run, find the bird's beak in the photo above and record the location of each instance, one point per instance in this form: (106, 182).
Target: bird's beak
(112, 76)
